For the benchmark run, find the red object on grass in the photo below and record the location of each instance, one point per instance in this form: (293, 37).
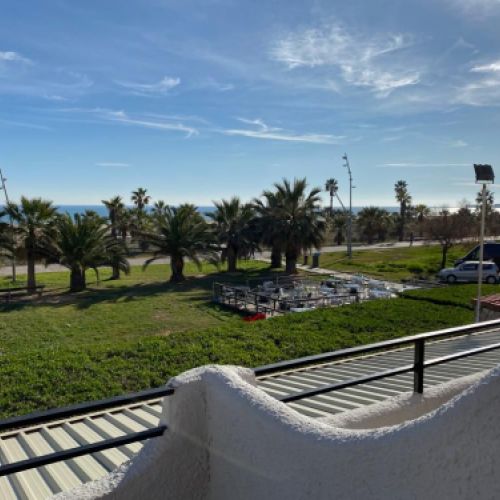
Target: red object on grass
(255, 317)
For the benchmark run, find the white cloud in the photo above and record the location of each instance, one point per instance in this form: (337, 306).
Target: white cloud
(162, 87)
(493, 67)
(13, 57)
(120, 116)
(476, 8)
(263, 131)
(423, 165)
(112, 164)
(459, 143)
(360, 60)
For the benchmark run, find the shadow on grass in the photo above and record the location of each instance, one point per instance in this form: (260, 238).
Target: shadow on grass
(59, 297)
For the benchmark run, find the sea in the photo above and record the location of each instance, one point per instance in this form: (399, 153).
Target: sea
(101, 209)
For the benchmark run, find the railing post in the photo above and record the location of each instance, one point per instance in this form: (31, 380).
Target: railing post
(418, 366)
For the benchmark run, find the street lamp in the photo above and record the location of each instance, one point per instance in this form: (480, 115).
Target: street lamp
(349, 226)
(484, 176)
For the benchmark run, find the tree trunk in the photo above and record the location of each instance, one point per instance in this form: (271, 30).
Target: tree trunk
(276, 256)
(177, 267)
(231, 259)
(116, 273)
(340, 239)
(291, 262)
(331, 205)
(30, 257)
(77, 280)
(402, 215)
(444, 249)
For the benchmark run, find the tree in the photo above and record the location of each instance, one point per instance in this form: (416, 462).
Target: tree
(421, 212)
(115, 208)
(181, 233)
(332, 186)
(234, 229)
(140, 198)
(373, 223)
(34, 219)
(445, 228)
(270, 224)
(301, 224)
(159, 209)
(339, 223)
(404, 199)
(83, 243)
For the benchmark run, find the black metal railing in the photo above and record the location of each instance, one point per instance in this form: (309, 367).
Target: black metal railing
(417, 367)
(74, 411)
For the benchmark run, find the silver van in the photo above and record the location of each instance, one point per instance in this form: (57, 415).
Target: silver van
(468, 271)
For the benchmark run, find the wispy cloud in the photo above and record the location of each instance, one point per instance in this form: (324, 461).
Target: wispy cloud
(492, 67)
(264, 131)
(423, 165)
(121, 117)
(10, 56)
(112, 164)
(162, 87)
(15, 123)
(359, 59)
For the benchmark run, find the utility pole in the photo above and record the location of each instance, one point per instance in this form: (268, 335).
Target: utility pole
(349, 226)
(11, 223)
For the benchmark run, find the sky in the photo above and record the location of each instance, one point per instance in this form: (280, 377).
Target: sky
(198, 100)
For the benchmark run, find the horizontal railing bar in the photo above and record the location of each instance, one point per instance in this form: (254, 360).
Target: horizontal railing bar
(80, 408)
(365, 349)
(58, 456)
(460, 355)
(348, 383)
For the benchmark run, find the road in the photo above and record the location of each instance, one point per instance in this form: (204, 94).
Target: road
(139, 261)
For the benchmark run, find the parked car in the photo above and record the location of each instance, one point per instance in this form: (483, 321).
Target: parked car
(491, 252)
(468, 271)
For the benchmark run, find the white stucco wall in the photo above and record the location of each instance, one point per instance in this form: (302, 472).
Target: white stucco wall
(230, 440)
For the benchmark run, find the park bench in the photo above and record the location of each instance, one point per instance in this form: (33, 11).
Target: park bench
(10, 293)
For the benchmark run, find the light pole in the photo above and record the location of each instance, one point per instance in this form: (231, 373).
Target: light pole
(349, 225)
(11, 223)
(484, 176)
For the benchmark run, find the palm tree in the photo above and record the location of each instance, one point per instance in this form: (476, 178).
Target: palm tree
(115, 208)
(339, 223)
(234, 229)
(422, 212)
(34, 219)
(159, 209)
(181, 233)
(332, 186)
(270, 224)
(140, 198)
(300, 220)
(373, 223)
(404, 199)
(83, 243)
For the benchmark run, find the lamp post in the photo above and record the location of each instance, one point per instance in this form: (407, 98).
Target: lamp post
(349, 224)
(484, 176)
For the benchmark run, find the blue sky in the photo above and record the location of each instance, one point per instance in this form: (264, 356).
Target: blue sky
(199, 100)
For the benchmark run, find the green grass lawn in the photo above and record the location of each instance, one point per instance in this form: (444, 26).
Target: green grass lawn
(394, 264)
(135, 333)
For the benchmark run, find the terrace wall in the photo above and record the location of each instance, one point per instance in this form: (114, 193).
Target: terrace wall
(229, 440)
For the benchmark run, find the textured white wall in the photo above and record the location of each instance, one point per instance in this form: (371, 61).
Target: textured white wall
(229, 440)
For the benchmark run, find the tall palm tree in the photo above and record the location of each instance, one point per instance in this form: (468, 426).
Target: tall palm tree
(234, 229)
(339, 223)
(404, 199)
(332, 186)
(83, 243)
(422, 212)
(34, 219)
(115, 208)
(270, 223)
(159, 209)
(373, 223)
(181, 233)
(140, 198)
(302, 225)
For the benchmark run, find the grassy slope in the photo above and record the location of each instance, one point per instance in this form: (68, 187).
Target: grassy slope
(394, 263)
(134, 334)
